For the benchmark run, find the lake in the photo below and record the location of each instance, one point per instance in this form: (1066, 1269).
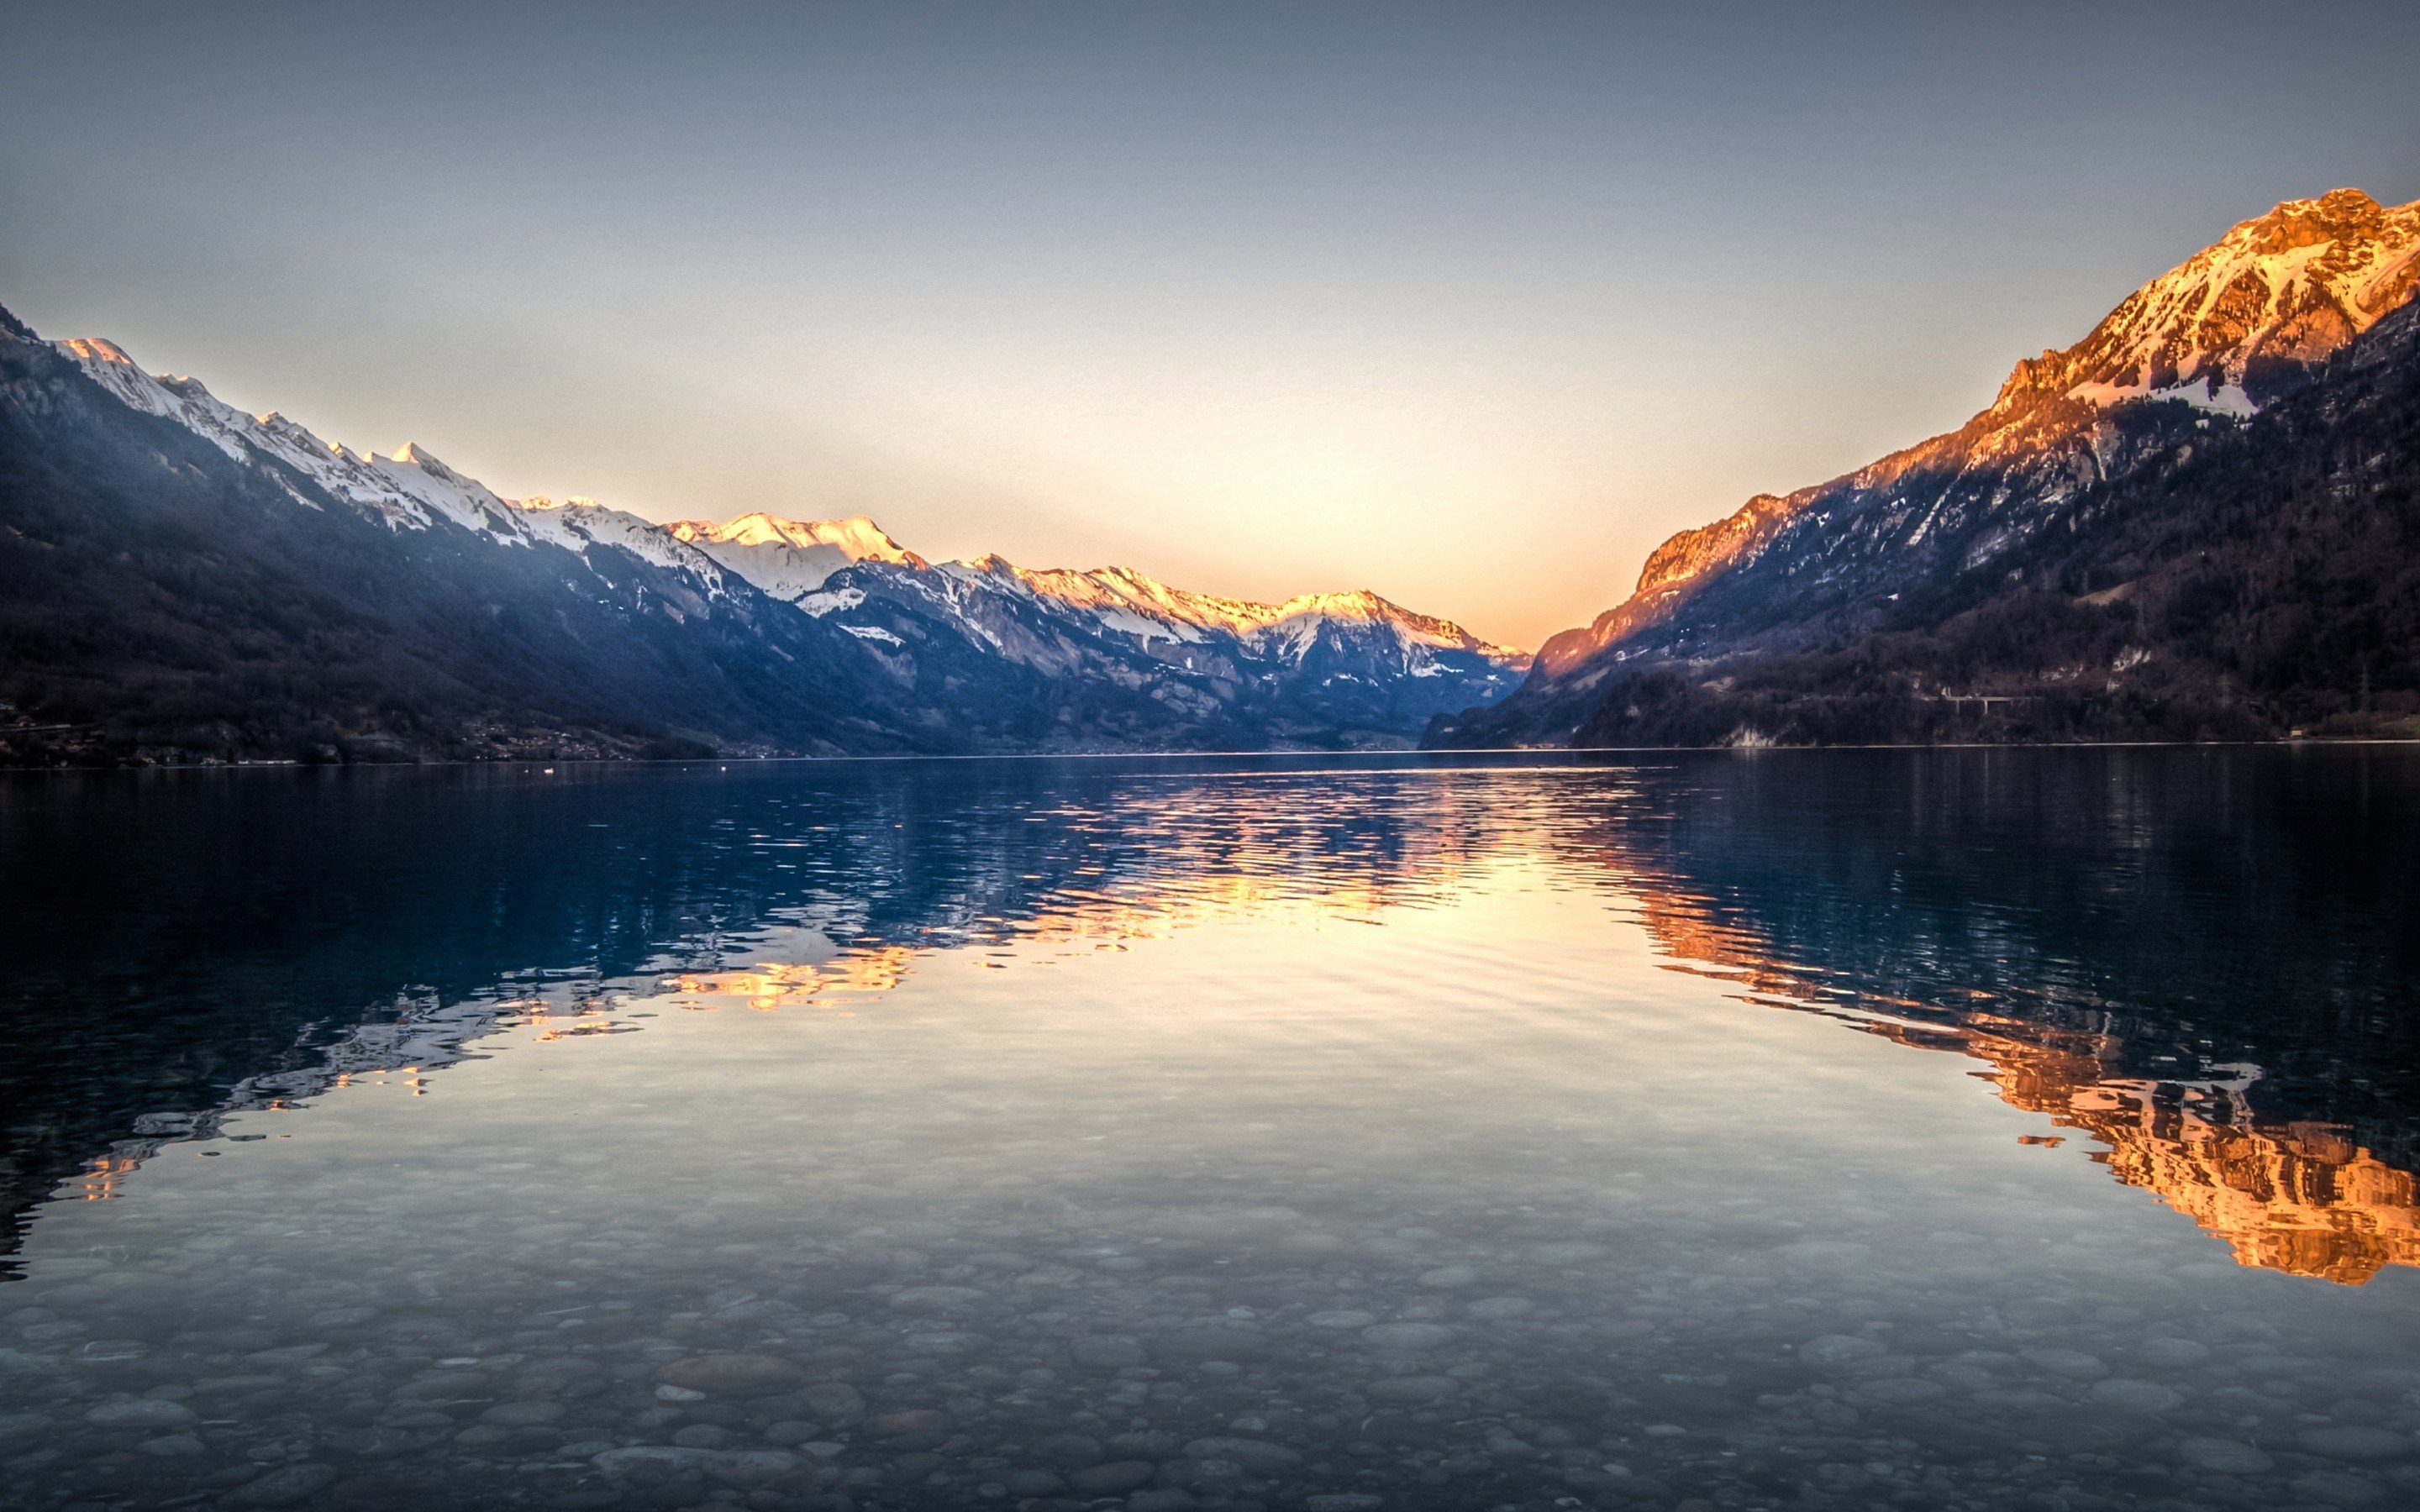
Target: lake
(1933, 1130)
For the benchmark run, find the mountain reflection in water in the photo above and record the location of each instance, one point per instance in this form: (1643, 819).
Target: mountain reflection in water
(2202, 962)
(2288, 1195)
(1286, 1134)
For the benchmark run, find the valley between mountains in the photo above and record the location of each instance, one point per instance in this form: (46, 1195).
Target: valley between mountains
(2198, 522)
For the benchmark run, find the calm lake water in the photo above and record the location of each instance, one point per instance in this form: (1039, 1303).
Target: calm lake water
(1993, 1130)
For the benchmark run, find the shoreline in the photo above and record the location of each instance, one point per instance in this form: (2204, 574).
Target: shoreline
(1402, 754)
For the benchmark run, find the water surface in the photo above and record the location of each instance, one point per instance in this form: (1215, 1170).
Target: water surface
(1969, 1129)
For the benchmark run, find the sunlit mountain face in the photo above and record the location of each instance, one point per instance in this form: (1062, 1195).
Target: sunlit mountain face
(1444, 1131)
(2191, 522)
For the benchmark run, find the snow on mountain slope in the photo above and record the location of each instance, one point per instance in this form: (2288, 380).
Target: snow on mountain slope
(579, 522)
(2232, 328)
(1298, 621)
(355, 478)
(798, 561)
(1123, 599)
(407, 489)
(1120, 601)
(857, 537)
(1321, 669)
(2240, 324)
(790, 558)
(2220, 330)
(1311, 669)
(466, 501)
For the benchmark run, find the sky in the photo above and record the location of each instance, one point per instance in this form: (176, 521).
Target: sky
(1471, 305)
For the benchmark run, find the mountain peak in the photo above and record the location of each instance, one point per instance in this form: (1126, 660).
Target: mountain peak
(412, 454)
(2243, 319)
(1351, 603)
(1133, 602)
(96, 350)
(789, 557)
(2302, 223)
(1361, 600)
(856, 536)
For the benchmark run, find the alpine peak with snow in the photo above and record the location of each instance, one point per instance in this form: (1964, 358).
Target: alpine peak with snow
(2050, 569)
(790, 558)
(1318, 668)
(182, 581)
(2242, 321)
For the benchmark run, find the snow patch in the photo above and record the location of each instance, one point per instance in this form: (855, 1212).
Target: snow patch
(820, 605)
(790, 558)
(2227, 399)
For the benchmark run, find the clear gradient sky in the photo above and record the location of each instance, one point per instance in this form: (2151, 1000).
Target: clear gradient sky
(1471, 305)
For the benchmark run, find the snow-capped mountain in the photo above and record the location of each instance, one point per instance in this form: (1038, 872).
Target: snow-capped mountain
(300, 595)
(2197, 351)
(1320, 668)
(790, 558)
(795, 560)
(1351, 664)
(1120, 601)
(407, 489)
(2242, 321)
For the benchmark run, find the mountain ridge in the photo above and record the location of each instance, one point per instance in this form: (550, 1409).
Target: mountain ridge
(2199, 350)
(782, 556)
(595, 652)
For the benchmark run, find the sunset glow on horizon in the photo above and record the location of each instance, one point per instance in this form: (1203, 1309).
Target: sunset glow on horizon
(1467, 308)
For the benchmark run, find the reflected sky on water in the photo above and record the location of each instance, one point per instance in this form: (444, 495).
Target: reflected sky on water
(1861, 1128)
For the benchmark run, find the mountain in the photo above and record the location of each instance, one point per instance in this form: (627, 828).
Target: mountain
(181, 580)
(790, 558)
(1132, 654)
(1111, 658)
(2192, 522)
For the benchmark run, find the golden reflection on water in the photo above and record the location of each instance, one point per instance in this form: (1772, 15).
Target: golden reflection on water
(2294, 1196)
(2285, 1195)
(767, 985)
